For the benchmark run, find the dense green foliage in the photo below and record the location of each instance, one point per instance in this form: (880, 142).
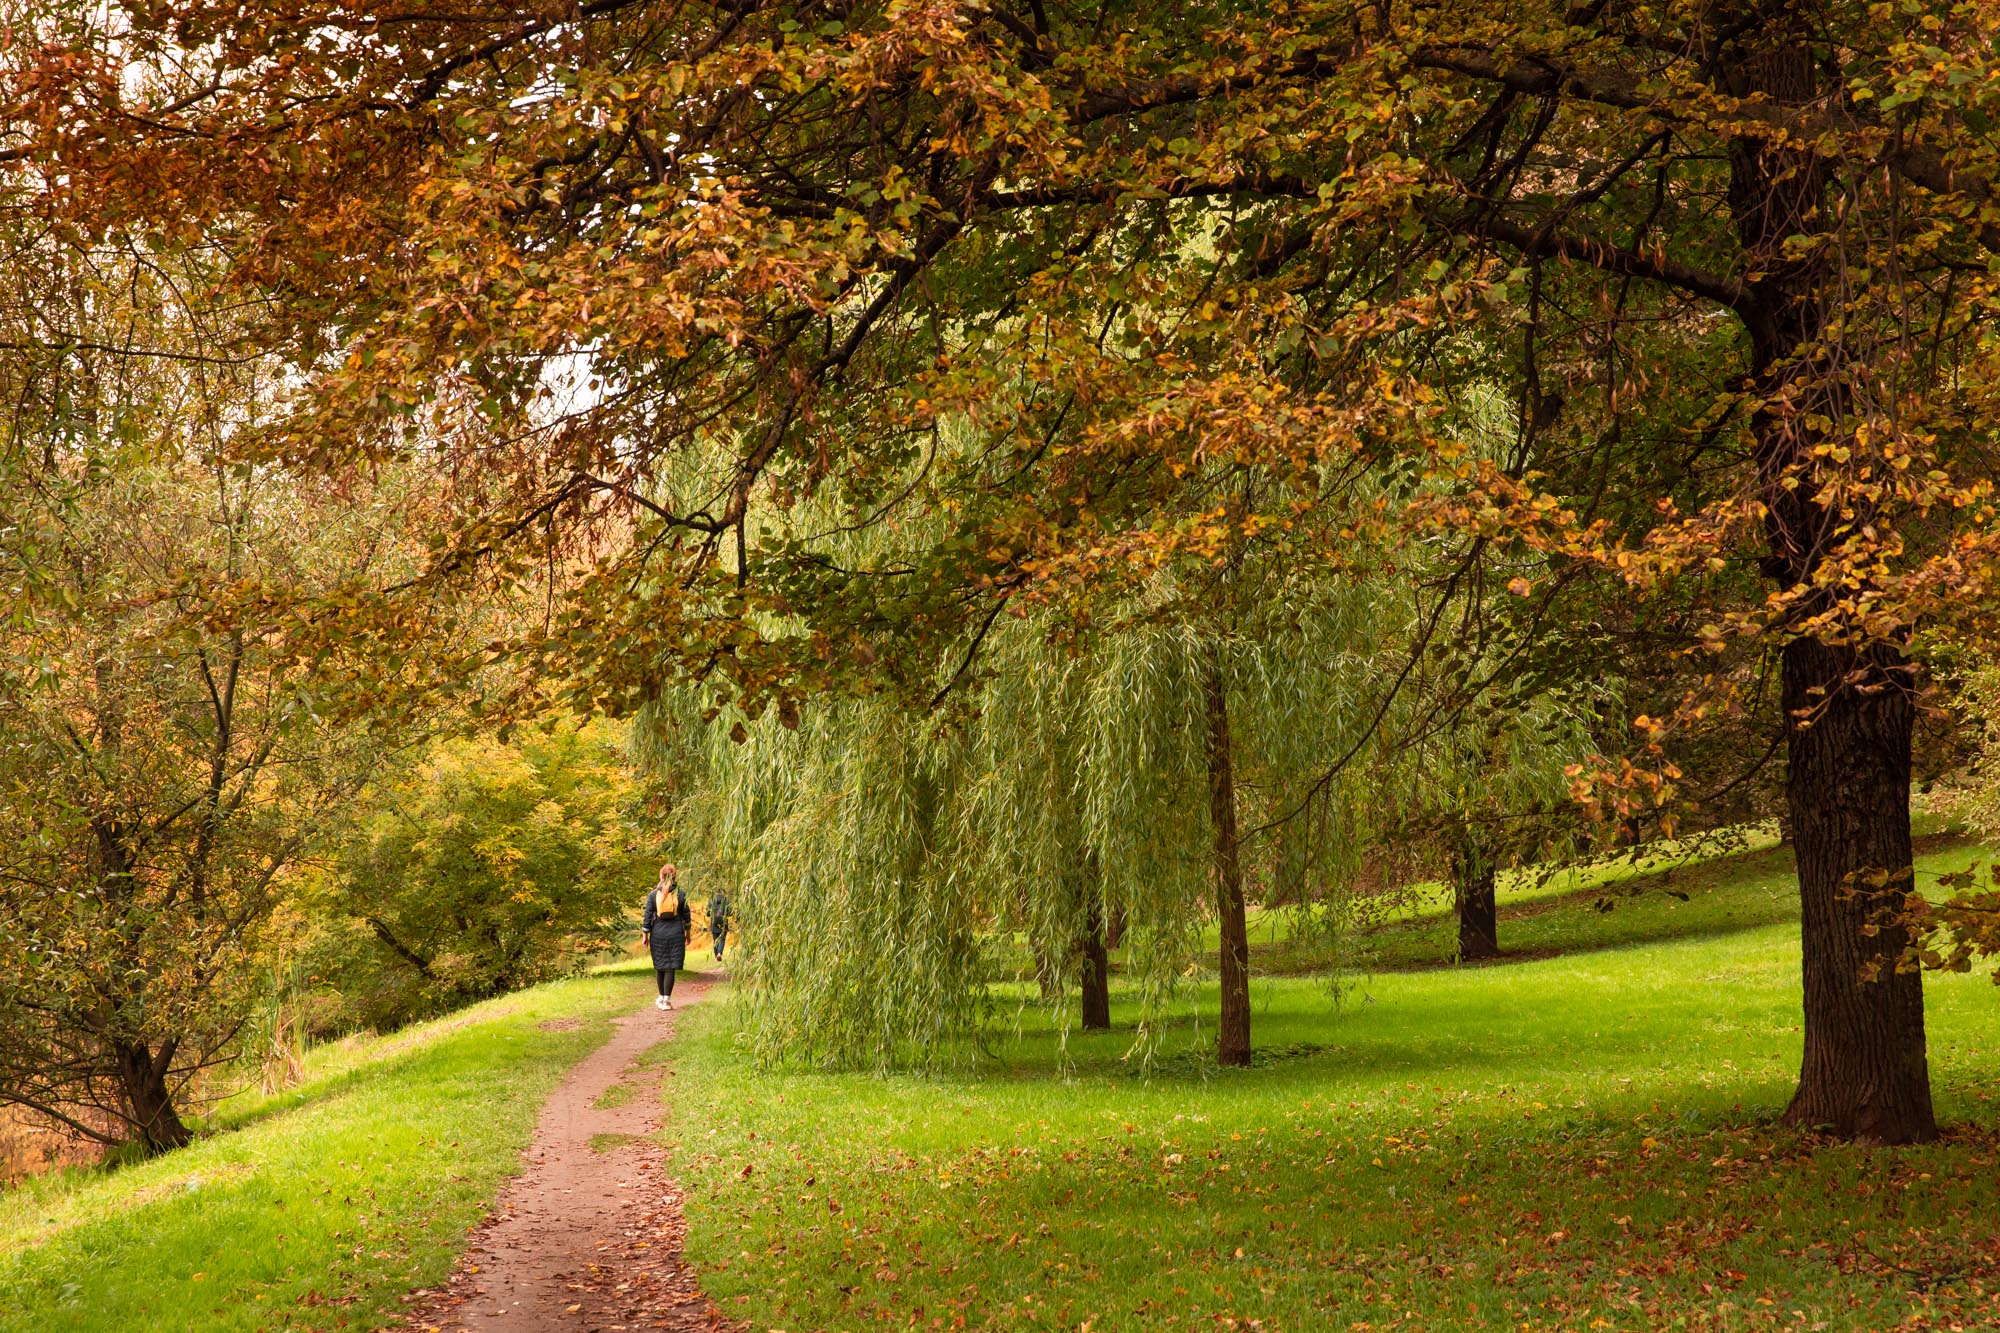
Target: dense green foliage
(877, 855)
(483, 867)
(194, 679)
(169, 751)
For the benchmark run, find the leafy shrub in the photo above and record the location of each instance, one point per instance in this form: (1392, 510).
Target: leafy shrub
(485, 867)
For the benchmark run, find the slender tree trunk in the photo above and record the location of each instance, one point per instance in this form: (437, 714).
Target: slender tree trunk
(419, 961)
(138, 1073)
(1478, 907)
(1096, 971)
(1848, 712)
(149, 1104)
(1864, 1074)
(1233, 1029)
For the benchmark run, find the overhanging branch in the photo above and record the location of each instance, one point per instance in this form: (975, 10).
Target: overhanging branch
(1548, 242)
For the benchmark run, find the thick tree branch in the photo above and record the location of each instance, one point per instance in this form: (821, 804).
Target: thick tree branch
(1274, 186)
(1921, 163)
(1926, 166)
(1549, 243)
(1539, 77)
(400, 949)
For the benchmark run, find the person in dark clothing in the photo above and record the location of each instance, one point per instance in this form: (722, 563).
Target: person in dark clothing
(667, 923)
(718, 920)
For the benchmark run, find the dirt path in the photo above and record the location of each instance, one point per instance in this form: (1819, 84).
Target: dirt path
(589, 1236)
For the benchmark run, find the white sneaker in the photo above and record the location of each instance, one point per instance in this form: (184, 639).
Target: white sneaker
(662, 1002)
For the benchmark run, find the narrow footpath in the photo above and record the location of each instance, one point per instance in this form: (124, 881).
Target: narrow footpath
(588, 1238)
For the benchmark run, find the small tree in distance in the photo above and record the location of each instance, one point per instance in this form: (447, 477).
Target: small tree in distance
(483, 867)
(1489, 792)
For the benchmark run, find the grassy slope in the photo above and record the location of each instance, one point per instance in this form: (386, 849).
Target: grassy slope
(1553, 1143)
(325, 1205)
(1712, 898)
(1416, 926)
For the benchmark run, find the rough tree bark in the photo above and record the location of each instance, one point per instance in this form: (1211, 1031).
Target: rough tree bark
(1232, 1045)
(1864, 1074)
(1478, 907)
(149, 1103)
(1849, 713)
(1096, 980)
(137, 1071)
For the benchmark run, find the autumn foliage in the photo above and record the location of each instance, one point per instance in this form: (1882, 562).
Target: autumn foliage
(704, 287)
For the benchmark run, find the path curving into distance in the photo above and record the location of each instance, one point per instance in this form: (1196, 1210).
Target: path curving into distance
(587, 1237)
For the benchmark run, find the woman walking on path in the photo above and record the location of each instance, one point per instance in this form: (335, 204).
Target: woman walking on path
(668, 921)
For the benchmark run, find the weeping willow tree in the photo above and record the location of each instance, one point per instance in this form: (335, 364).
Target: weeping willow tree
(1233, 720)
(1234, 723)
(1156, 747)
(1160, 766)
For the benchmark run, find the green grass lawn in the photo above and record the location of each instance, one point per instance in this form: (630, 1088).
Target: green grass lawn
(1686, 901)
(1414, 925)
(318, 1209)
(1583, 1137)
(1581, 1141)
(1683, 898)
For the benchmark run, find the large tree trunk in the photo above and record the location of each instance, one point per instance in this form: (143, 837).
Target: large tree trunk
(149, 1104)
(1848, 714)
(1478, 906)
(1864, 1074)
(1233, 1030)
(1096, 981)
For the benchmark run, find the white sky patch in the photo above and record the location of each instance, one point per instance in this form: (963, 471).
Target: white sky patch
(570, 387)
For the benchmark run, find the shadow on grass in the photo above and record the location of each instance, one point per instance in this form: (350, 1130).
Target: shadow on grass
(1302, 1051)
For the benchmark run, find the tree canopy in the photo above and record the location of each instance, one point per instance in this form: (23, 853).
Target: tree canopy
(667, 272)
